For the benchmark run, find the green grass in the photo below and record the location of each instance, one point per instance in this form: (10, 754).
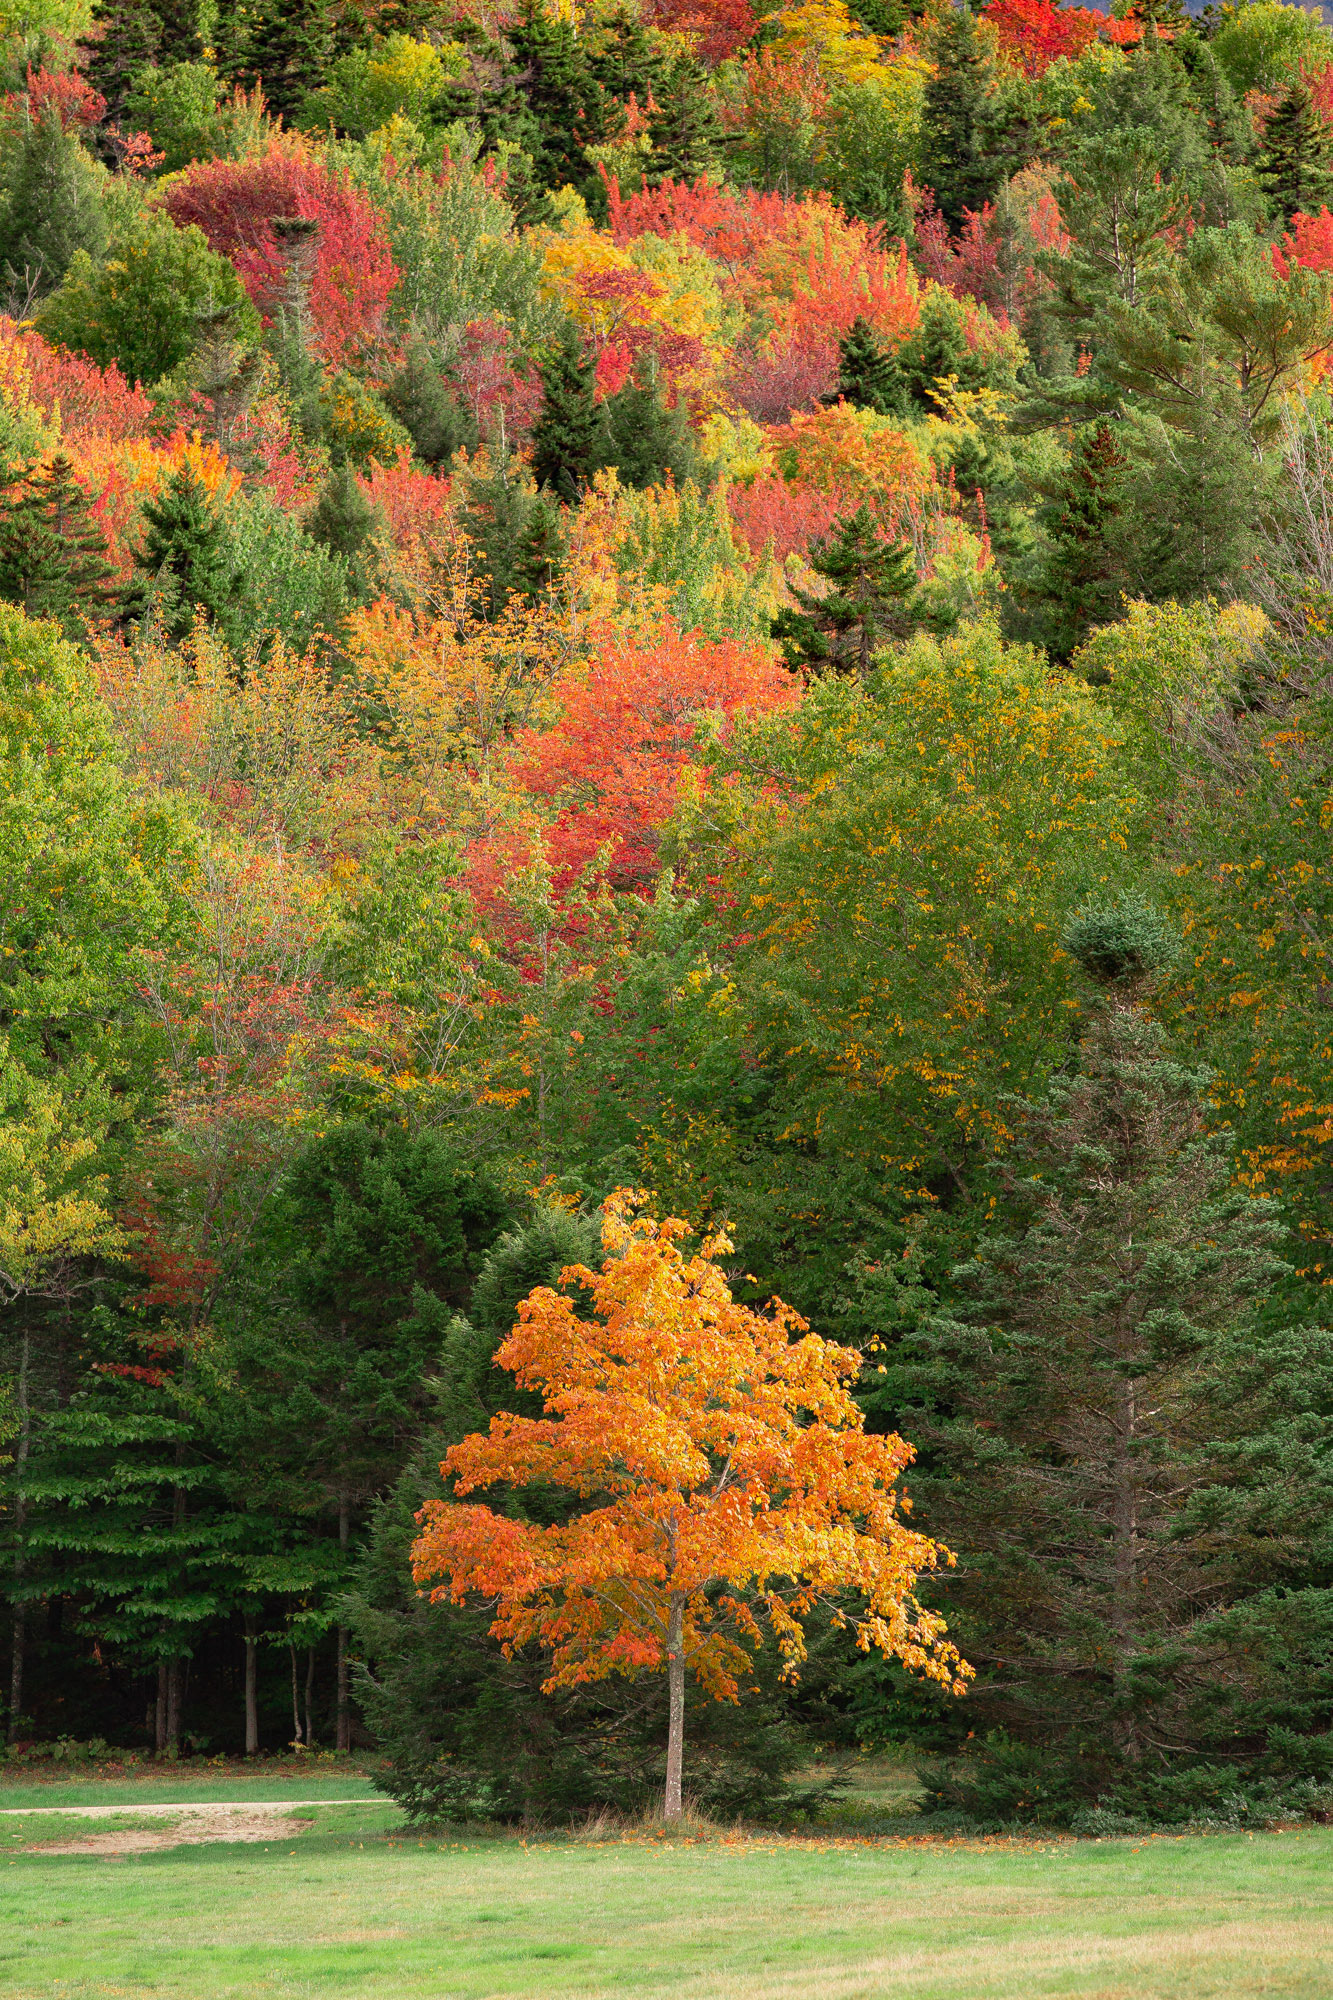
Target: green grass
(353, 1915)
(181, 1788)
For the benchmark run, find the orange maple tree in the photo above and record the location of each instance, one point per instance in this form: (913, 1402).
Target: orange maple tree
(722, 1472)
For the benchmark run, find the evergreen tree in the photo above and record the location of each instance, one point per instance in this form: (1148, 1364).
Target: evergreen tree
(570, 442)
(648, 441)
(287, 47)
(539, 559)
(1104, 1416)
(956, 160)
(52, 552)
(185, 564)
(868, 580)
(867, 376)
(1296, 162)
(347, 523)
(684, 128)
(421, 399)
(499, 509)
(626, 62)
(1082, 576)
(564, 100)
(54, 206)
(126, 37)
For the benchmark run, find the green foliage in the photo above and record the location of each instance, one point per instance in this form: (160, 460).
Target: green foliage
(186, 564)
(345, 522)
(177, 104)
(144, 307)
(867, 579)
(570, 442)
(367, 88)
(957, 162)
(419, 396)
(52, 551)
(52, 209)
(292, 584)
(1296, 164)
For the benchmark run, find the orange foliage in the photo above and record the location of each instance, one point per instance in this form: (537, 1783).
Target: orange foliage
(721, 1469)
(627, 733)
(839, 450)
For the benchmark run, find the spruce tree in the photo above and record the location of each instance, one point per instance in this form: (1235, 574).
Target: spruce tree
(564, 99)
(500, 502)
(869, 580)
(287, 48)
(539, 559)
(957, 163)
(1296, 162)
(52, 552)
(867, 376)
(347, 523)
(571, 441)
(421, 399)
(55, 207)
(185, 563)
(126, 37)
(648, 441)
(684, 127)
(1104, 1414)
(1082, 577)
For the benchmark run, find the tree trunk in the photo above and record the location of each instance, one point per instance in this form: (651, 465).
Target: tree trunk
(1125, 1559)
(160, 1712)
(310, 1698)
(251, 1687)
(671, 1806)
(21, 1449)
(296, 1708)
(343, 1736)
(175, 1704)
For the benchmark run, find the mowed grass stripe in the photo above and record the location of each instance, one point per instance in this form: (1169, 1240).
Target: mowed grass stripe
(372, 1917)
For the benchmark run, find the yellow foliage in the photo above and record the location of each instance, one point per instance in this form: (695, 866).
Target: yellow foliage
(825, 30)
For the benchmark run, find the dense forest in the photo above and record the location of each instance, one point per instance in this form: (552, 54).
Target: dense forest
(672, 596)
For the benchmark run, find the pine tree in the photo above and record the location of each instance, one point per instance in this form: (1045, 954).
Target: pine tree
(1105, 1418)
(185, 564)
(422, 401)
(570, 443)
(52, 552)
(869, 579)
(564, 99)
(500, 499)
(867, 376)
(541, 553)
(1296, 163)
(347, 523)
(956, 160)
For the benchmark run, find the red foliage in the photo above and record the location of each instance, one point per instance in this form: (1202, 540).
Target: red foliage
(717, 28)
(91, 400)
(969, 264)
(1308, 243)
(770, 513)
(490, 380)
(1034, 33)
(234, 201)
(770, 386)
(612, 765)
(76, 104)
(409, 499)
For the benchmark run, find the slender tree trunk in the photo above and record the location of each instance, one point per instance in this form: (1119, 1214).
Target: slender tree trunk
(296, 1706)
(343, 1736)
(310, 1698)
(251, 1687)
(175, 1704)
(21, 1449)
(671, 1806)
(160, 1712)
(1125, 1558)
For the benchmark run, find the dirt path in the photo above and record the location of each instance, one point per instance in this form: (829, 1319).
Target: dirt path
(189, 1824)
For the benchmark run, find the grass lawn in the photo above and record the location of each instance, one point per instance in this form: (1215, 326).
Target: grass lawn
(347, 1906)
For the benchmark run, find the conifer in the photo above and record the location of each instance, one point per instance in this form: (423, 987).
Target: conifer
(52, 552)
(956, 161)
(867, 376)
(683, 127)
(571, 441)
(185, 563)
(418, 395)
(125, 37)
(55, 207)
(869, 580)
(1296, 163)
(647, 441)
(287, 47)
(346, 522)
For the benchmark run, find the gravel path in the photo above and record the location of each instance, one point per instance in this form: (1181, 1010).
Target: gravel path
(191, 1822)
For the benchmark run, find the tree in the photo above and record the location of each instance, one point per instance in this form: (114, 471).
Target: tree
(684, 129)
(868, 578)
(647, 442)
(867, 375)
(185, 563)
(1296, 163)
(347, 523)
(53, 208)
(1082, 575)
(125, 39)
(286, 47)
(52, 550)
(956, 162)
(147, 305)
(421, 399)
(722, 1455)
(570, 442)
(1107, 1399)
